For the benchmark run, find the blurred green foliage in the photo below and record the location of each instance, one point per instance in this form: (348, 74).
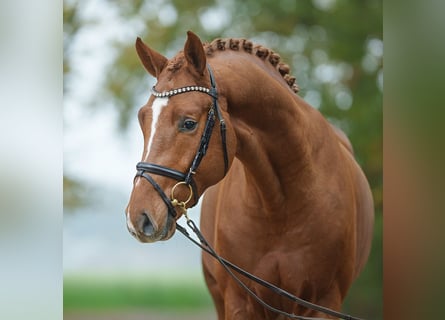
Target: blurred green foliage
(75, 192)
(334, 48)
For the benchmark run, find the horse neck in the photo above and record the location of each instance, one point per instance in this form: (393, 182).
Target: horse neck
(273, 128)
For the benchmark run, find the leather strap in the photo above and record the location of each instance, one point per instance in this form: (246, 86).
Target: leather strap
(156, 186)
(203, 145)
(205, 246)
(169, 173)
(222, 124)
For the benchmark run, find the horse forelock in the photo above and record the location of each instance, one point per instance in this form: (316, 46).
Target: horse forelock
(176, 62)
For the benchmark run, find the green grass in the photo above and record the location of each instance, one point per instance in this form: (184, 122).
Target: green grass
(90, 293)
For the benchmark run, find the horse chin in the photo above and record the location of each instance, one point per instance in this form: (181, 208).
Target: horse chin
(169, 229)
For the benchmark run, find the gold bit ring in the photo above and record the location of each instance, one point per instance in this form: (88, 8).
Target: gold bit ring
(175, 201)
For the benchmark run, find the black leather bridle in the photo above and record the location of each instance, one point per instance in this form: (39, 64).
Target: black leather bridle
(143, 168)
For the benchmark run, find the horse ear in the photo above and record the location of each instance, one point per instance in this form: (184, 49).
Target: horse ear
(152, 60)
(194, 52)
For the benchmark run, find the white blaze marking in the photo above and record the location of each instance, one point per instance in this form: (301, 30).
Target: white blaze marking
(127, 212)
(156, 108)
(129, 223)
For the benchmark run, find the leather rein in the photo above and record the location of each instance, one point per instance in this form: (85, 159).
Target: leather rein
(144, 168)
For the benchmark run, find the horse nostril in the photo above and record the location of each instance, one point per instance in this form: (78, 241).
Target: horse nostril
(146, 225)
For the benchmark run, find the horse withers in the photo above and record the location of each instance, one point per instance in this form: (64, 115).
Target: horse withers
(284, 197)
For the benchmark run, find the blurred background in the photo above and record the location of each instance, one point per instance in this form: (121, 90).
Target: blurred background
(335, 50)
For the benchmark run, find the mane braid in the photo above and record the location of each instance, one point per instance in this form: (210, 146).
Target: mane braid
(260, 51)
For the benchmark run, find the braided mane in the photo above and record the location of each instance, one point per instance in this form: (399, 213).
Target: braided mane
(260, 51)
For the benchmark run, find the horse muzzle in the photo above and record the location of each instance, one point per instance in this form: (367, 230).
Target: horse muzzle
(146, 230)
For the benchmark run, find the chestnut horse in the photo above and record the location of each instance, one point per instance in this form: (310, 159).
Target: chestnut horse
(285, 199)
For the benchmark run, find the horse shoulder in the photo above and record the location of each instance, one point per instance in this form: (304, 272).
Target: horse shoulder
(364, 219)
(364, 205)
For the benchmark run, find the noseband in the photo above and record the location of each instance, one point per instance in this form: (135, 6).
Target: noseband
(144, 168)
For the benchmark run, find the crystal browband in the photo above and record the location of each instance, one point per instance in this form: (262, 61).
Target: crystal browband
(166, 94)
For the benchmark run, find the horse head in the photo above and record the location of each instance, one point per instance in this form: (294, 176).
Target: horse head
(177, 125)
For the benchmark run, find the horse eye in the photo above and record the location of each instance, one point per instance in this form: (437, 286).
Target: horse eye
(188, 125)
